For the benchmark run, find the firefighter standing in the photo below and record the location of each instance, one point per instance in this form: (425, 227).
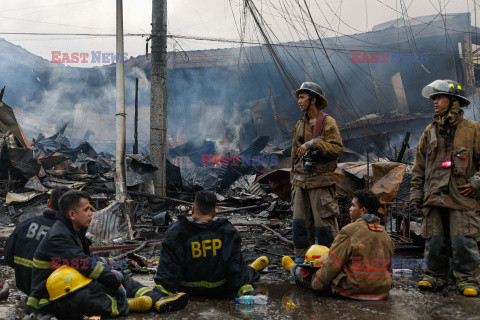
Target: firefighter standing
(445, 181)
(26, 237)
(203, 256)
(317, 144)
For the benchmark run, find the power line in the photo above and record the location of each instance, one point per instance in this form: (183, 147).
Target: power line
(238, 41)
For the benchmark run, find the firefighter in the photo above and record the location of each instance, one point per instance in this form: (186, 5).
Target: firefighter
(358, 265)
(90, 298)
(202, 256)
(317, 144)
(24, 240)
(445, 182)
(65, 245)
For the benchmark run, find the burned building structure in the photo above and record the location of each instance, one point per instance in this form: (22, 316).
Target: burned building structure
(372, 81)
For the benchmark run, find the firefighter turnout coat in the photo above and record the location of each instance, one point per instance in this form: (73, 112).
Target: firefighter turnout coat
(329, 143)
(21, 246)
(437, 185)
(204, 259)
(63, 246)
(359, 262)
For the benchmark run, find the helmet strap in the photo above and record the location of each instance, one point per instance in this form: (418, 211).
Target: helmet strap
(450, 105)
(309, 103)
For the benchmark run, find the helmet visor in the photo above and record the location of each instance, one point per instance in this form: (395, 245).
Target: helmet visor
(437, 86)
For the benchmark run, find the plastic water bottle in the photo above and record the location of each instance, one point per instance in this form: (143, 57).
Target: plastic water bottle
(261, 299)
(402, 272)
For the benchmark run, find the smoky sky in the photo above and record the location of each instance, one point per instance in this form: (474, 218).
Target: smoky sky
(206, 18)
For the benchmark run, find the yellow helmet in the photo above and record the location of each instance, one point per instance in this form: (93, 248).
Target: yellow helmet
(65, 280)
(316, 254)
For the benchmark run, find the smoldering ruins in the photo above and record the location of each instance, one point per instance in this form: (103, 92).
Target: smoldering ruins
(231, 116)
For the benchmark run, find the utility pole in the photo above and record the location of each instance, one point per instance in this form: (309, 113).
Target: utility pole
(135, 134)
(120, 182)
(158, 97)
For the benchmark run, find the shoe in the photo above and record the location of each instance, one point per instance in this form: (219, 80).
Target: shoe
(260, 264)
(429, 283)
(175, 302)
(140, 304)
(471, 292)
(425, 285)
(287, 263)
(468, 289)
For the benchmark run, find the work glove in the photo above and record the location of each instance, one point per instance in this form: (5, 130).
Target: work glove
(121, 294)
(302, 276)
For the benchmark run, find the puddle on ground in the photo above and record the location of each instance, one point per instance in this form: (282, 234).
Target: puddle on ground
(288, 301)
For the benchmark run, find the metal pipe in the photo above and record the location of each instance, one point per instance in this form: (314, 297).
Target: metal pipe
(135, 134)
(120, 182)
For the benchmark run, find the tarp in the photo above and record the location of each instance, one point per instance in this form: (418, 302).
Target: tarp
(385, 178)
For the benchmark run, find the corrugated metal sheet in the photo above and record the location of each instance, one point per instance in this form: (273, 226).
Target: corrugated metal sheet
(108, 224)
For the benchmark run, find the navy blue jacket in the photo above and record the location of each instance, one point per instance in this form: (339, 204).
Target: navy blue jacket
(21, 246)
(62, 245)
(204, 259)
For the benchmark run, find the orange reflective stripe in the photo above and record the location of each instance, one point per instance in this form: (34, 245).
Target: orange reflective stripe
(367, 272)
(335, 261)
(316, 283)
(347, 294)
(375, 227)
(369, 269)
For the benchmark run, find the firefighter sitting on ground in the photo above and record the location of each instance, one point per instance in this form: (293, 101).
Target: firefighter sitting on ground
(106, 294)
(359, 262)
(26, 237)
(202, 256)
(445, 182)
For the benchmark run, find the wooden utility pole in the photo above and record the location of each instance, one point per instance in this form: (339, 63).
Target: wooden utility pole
(135, 133)
(120, 182)
(158, 97)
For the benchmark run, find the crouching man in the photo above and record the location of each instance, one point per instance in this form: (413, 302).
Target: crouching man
(23, 242)
(202, 256)
(65, 244)
(359, 261)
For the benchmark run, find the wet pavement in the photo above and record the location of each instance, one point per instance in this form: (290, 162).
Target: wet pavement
(287, 301)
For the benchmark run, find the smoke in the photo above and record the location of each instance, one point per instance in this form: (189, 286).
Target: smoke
(472, 111)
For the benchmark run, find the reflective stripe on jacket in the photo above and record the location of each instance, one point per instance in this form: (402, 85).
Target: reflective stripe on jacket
(203, 259)
(437, 185)
(359, 262)
(62, 245)
(21, 246)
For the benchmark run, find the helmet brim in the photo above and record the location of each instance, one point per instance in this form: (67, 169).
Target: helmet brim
(432, 96)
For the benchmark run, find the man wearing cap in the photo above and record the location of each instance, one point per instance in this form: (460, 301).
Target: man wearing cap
(317, 144)
(445, 182)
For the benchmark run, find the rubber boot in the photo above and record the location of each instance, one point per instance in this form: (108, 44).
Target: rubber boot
(140, 304)
(429, 283)
(175, 302)
(287, 263)
(260, 264)
(468, 289)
